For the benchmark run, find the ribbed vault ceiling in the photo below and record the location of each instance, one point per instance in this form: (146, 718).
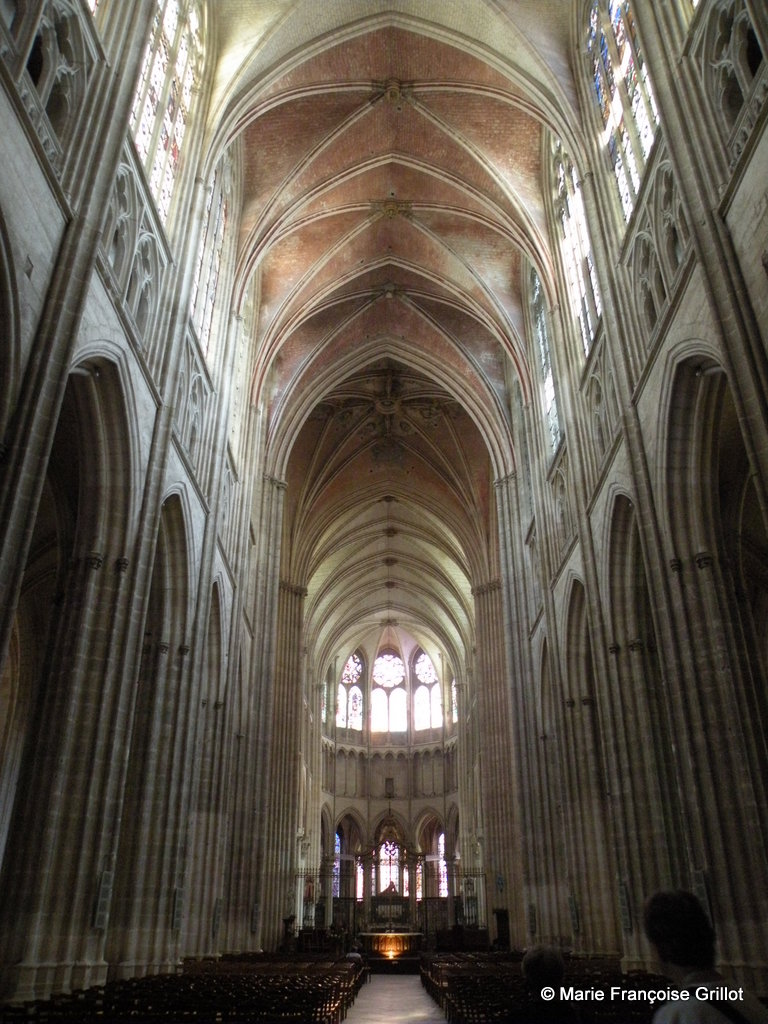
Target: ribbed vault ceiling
(392, 201)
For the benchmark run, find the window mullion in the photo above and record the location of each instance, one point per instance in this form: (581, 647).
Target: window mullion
(643, 87)
(627, 124)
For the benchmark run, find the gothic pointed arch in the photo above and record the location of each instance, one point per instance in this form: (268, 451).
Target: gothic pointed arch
(153, 798)
(590, 857)
(59, 671)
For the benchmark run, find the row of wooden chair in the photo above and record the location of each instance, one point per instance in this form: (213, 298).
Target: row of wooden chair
(490, 989)
(274, 992)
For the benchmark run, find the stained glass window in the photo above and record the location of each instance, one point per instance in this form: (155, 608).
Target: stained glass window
(425, 670)
(389, 866)
(389, 711)
(169, 75)
(349, 700)
(454, 702)
(427, 699)
(624, 94)
(539, 318)
(336, 883)
(388, 670)
(208, 267)
(442, 867)
(579, 265)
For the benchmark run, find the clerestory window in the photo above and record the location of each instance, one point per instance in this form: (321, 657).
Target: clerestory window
(349, 701)
(208, 267)
(427, 696)
(389, 711)
(624, 94)
(170, 74)
(579, 265)
(546, 373)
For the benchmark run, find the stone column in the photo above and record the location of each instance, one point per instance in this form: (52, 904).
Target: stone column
(499, 782)
(54, 873)
(251, 888)
(281, 847)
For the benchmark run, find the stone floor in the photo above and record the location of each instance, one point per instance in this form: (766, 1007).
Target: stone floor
(394, 999)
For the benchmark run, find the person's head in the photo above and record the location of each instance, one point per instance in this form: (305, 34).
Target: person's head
(678, 927)
(543, 965)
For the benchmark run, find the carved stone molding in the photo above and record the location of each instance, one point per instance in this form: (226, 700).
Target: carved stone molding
(391, 208)
(293, 588)
(486, 588)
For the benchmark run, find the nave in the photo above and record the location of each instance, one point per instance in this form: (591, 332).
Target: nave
(394, 997)
(383, 483)
(462, 988)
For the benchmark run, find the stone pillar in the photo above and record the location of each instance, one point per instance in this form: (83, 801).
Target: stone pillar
(710, 700)
(281, 849)
(56, 867)
(251, 889)
(499, 783)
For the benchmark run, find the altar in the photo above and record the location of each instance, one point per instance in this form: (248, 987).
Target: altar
(391, 944)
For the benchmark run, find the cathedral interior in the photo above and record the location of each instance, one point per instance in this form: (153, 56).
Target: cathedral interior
(384, 477)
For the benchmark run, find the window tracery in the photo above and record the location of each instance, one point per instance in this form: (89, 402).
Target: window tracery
(659, 247)
(336, 876)
(389, 712)
(58, 66)
(349, 701)
(142, 286)
(169, 76)
(427, 698)
(733, 70)
(546, 372)
(208, 266)
(624, 94)
(442, 867)
(581, 278)
(389, 866)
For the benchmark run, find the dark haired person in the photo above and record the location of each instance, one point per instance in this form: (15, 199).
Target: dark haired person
(683, 940)
(544, 967)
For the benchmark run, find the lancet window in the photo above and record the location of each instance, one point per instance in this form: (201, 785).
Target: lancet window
(336, 879)
(169, 76)
(389, 866)
(349, 701)
(539, 321)
(575, 246)
(624, 94)
(427, 696)
(389, 711)
(442, 867)
(208, 268)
